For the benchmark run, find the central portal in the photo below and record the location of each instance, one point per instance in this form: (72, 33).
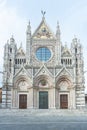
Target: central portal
(43, 100)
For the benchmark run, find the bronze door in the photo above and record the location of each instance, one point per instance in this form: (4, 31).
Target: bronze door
(23, 101)
(43, 100)
(64, 101)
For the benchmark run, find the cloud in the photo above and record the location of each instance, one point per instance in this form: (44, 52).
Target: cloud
(10, 24)
(75, 23)
(2, 3)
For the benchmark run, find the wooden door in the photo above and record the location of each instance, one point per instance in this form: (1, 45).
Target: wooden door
(43, 100)
(23, 101)
(64, 101)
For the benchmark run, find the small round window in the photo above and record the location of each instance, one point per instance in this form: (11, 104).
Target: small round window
(43, 54)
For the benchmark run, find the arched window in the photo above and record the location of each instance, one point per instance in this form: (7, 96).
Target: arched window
(62, 61)
(15, 61)
(10, 65)
(75, 50)
(66, 61)
(10, 50)
(76, 62)
(22, 60)
(18, 61)
(70, 61)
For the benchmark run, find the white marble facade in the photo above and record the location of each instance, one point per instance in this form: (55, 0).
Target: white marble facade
(48, 75)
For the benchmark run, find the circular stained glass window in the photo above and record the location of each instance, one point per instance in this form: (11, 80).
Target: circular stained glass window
(43, 54)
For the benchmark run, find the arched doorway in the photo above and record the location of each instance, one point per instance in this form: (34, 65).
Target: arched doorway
(65, 93)
(43, 94)
(63, 101)
(20, 93)
(43, 99)
(22, 101)
(23, 85)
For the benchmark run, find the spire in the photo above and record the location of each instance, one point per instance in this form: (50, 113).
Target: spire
(58, 31)
(21, 45)
(29, 28)
(12, 39)
(66, 45)
(7, 41)
(75, 40)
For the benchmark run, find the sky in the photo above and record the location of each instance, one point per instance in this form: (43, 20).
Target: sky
(71, 14)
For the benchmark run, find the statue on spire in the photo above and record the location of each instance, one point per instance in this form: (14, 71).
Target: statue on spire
(43, 13)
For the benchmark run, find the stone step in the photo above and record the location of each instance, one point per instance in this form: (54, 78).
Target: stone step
(41, 112)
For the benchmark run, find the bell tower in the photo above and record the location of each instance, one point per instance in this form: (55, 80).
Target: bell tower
(79, 72)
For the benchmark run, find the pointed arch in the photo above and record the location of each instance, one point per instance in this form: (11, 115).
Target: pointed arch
(22, 79)
(48, 81)
(64, 82)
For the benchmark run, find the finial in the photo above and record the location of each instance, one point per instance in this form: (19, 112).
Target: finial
(74, 36)
(58, 24)
(58, 30)
(12, 36)
(43, 13)
(12, 39)
(65, 44)
(7, 41)
(21, 45)
(28, 28)
(29, 22)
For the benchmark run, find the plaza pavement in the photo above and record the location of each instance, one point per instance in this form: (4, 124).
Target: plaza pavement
(39, 119)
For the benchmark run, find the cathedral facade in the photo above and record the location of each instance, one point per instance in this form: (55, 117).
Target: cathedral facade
(47, 76)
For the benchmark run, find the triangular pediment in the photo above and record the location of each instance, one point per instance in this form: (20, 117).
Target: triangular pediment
(64, 72)
(23, 72)
(43, 71)
(20, 52)
(43, 31)
(66, 53)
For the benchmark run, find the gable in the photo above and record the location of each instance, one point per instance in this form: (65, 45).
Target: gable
(20, 52)
(23, 72)
(43, 71)
(43, 31)
(64, 72)
(66, 53)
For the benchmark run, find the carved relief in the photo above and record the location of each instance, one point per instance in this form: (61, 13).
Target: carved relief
(43, 83)
(63, 86)
(43, 32)
(23, 85)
